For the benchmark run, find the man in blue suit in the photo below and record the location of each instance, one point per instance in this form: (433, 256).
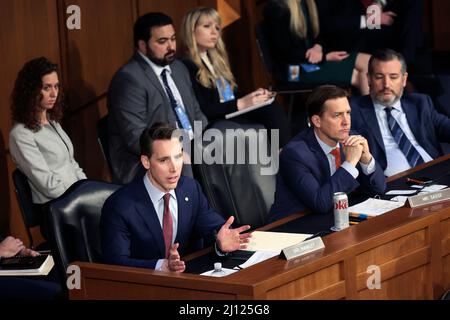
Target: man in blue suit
(403, 130)
(149, 222)
(311, 170)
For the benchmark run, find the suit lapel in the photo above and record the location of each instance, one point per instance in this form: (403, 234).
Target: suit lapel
(183, 89)
(184, 208)
(412, 118)
(150, 74)
(370, 118)
(317, 150)
(146, 210)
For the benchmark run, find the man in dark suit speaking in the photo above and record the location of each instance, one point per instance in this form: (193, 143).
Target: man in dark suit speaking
(152, 87)
(403, 130)
(149, 222)
(311, 170)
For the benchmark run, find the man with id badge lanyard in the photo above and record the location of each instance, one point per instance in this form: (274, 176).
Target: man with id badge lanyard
(152, 87)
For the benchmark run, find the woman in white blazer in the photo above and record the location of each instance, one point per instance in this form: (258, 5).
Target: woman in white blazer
(38, 144)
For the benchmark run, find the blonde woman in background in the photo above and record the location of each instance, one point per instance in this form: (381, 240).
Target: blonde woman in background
(213, 81)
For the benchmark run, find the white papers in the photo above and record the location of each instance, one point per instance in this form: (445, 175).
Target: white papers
(222, 273)
(258, 257)
(274, 241)
(400, 192)
(374, 207)
(434, 187)
(400, 199)
(245, 110)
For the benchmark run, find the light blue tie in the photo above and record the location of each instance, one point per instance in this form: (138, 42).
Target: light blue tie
(411, 154)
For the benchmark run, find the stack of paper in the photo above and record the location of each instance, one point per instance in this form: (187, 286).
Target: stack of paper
(373, 207)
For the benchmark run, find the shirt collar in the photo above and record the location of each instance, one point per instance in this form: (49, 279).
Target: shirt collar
(154, 193)
(379, 107)
(156, 68)
(326, 148)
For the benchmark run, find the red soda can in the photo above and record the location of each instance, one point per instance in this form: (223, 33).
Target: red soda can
(340, 205)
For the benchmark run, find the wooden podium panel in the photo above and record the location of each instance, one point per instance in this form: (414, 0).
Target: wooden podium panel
(409, 249)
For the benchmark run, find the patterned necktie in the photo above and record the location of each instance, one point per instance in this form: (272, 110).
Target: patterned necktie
(337, 157)
(411, 154)
(169, 92)
(167, 224)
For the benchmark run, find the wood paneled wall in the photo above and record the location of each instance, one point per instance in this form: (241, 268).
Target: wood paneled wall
(89, 57)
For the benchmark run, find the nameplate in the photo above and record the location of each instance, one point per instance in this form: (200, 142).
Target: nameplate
(302, 248)
(429, 198)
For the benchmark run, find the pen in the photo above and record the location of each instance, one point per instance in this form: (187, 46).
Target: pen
(415, 181)
(361, 216)
(44, 252)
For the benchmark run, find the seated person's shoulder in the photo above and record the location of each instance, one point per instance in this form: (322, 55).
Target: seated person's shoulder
(297, 148)
(20, 132)
(189, 64)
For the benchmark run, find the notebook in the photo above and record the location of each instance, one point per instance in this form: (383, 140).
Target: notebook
(256, 106)
(26, 266)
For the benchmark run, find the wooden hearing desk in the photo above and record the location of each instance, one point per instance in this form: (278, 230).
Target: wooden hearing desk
(411, 248)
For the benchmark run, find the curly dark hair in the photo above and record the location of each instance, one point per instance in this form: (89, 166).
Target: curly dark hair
(26, 94)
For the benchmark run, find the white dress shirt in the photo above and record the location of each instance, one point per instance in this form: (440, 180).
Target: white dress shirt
(396, 160)
(158, 70)
(156, 196)
(366, 169)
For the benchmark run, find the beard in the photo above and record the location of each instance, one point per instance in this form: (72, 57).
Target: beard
(168, 58)
(387, 103)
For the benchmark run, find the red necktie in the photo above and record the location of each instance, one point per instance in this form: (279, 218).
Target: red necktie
(337, 157)
(167, 224)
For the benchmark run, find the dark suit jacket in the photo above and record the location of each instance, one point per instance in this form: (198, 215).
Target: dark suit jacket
(340, 27)
(136, 100)
(340, 23)
(428, 126)
(131, 234)
(286, 48)
(208, 98)
(304, 180)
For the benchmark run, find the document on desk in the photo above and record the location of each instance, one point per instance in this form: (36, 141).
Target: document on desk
(374, 207)
(274, 241)
(400, 192)
(258, 257)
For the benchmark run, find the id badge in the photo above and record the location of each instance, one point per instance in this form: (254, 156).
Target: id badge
(309, 67)
(224, 89)
(294, 73)
(182, 116)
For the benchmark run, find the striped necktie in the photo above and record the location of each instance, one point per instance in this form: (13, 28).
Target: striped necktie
(411, 154)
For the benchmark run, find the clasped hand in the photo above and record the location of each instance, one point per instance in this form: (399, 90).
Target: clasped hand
(356, 149)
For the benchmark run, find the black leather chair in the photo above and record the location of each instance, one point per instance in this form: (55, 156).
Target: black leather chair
(237, 189)
(74, 222)
(31, 213)
(103, 141)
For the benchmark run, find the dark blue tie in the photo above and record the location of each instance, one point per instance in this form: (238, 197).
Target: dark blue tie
(411, 154)
(172, 100)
